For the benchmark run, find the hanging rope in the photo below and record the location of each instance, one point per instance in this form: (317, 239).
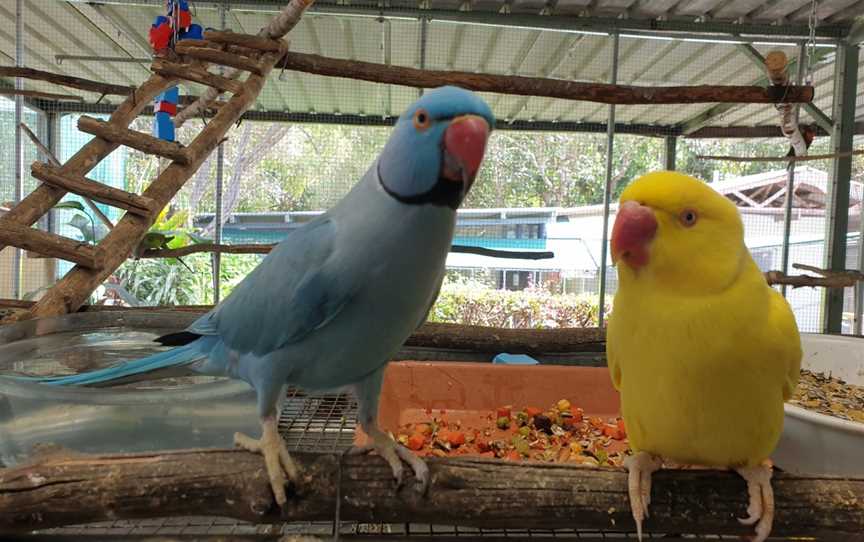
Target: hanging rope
(811, 42)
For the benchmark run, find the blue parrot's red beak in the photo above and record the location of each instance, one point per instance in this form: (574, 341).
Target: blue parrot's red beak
(464, 146)
(635, 226)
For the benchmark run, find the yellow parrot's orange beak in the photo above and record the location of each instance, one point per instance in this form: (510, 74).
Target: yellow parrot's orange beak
(635, 227)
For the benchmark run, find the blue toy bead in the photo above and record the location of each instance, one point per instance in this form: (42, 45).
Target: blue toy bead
(163, 127)
(171, 95)
(514, 359)
(195, 32)
(160, 19)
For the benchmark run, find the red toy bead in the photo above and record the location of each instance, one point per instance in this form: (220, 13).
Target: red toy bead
(160, 36)
(166, 107)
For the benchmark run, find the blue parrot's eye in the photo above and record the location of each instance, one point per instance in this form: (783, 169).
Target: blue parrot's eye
(422, 121)
(688, 217)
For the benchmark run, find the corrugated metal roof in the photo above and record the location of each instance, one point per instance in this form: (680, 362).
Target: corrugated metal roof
(119, 29)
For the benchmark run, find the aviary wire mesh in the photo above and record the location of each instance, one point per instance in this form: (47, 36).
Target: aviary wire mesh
(309, 138)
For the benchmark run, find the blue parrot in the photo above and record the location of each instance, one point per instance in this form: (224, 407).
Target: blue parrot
(329, 306)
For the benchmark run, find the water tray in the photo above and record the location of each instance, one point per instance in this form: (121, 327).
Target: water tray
(165, 414)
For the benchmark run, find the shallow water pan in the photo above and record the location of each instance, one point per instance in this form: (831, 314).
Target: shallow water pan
(185, 412)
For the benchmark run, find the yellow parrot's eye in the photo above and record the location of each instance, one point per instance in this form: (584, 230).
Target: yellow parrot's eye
(422, 121)
(688, 217)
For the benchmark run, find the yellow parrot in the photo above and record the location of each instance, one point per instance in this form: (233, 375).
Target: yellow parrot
(703, 352)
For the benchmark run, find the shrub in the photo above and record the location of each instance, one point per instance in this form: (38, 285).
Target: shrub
(470, 303)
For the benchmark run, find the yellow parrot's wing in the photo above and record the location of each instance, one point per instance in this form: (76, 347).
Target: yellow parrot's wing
(786, 341)
(613, 360)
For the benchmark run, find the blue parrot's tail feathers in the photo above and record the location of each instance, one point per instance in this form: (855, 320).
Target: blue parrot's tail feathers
(172, 359)
(177, 339)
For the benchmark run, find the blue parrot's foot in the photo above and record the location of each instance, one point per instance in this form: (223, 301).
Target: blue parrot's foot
(276, 457)
(761, 508)
(640, 467)
(394, 453)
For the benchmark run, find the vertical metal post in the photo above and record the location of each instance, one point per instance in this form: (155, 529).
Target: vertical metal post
(843, 113)
(424, 36)
(669, 155)
(790, 176)
(49, 129)
(608, 188)
(18, 193)
(216, 257)
(386, 54)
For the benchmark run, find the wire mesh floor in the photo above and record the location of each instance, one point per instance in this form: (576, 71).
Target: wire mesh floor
(320, 423)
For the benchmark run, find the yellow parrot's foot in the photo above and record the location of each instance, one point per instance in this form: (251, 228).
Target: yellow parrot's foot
(640, 467)
(394, 453)
(761, 508)
(276, 457)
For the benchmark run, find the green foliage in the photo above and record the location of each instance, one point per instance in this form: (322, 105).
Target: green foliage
(164, 281)
(471, 303)
(528, 169)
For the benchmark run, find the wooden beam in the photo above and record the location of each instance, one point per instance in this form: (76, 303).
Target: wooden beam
(39, 94)
(807, 158)
(245, 40)
(67, 81)
(130, 138)
(536, 86)
(220, 57)
(89, 188)
(50, 244)
(44, 197)
(197, 75)
(65, 488)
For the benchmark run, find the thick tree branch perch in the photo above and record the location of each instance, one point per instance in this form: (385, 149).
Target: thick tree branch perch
(265, 248)
(66, 81)
(435, 335)
(62, 489)
(535, 86)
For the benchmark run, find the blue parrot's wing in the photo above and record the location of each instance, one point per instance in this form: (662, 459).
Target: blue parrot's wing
(431, 302)
(286, 297)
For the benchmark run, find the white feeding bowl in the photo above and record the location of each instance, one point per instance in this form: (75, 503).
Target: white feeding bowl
(814, 443)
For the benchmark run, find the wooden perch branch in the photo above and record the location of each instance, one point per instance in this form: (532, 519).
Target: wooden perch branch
(514, 341)
(829, 279)
(535, 86)
(66, 81)
(39, 94)
(63, 489)
(256, 248)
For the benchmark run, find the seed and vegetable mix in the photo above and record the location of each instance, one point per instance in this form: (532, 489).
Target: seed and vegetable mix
(563, 433)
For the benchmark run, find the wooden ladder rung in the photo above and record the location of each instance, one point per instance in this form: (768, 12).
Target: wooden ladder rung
(246, 40)
(196, 75)
(78, 184)
(214, 56)
(136, 140)
(52, 245)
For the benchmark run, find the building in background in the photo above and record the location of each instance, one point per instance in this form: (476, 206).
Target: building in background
(574, 236)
